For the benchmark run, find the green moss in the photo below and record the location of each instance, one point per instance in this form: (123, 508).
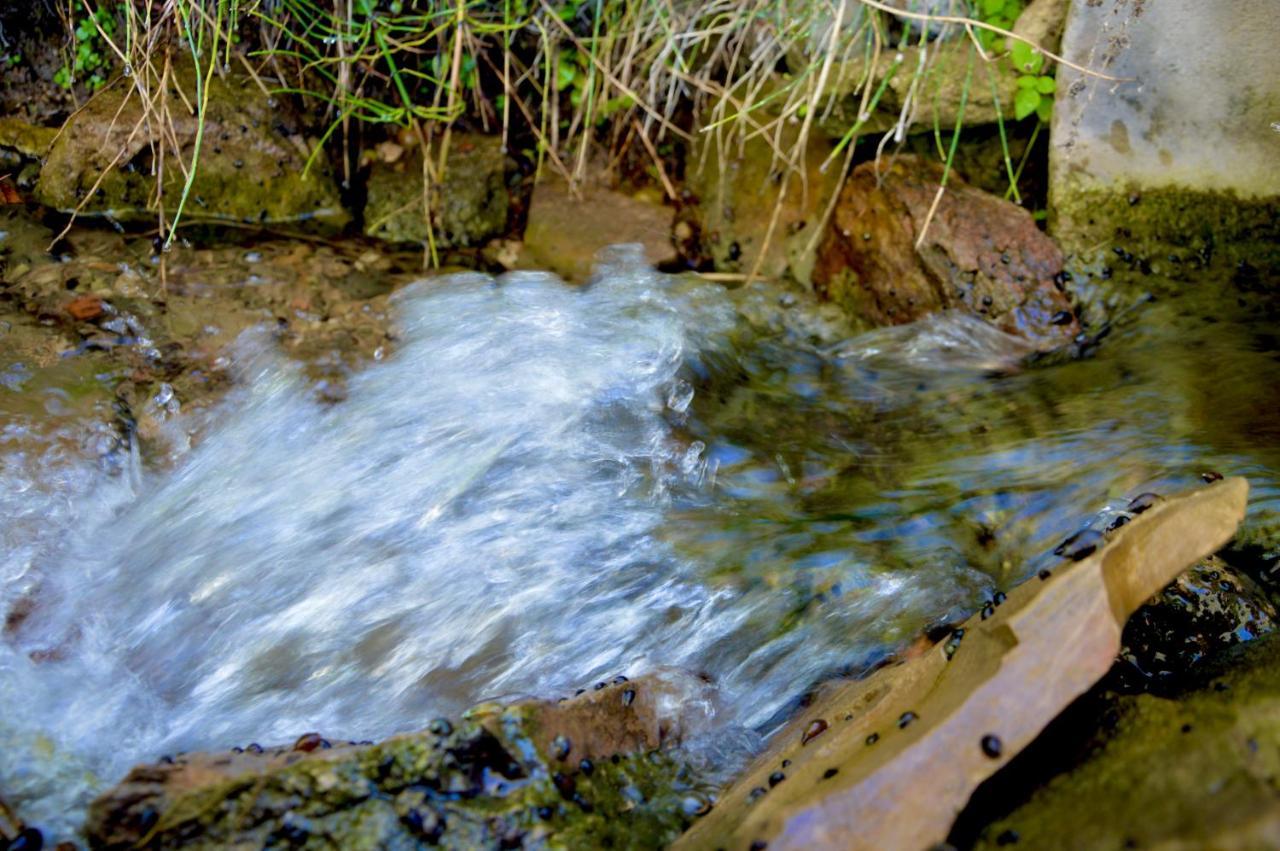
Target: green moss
(1171, 231)
(469, 208)
(466, 789)
(1197, 770)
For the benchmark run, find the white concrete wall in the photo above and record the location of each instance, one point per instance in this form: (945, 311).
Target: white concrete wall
(1202, 110)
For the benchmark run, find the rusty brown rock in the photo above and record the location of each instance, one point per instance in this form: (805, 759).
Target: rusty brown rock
(875, 782)
(980, 254)
(85, 308)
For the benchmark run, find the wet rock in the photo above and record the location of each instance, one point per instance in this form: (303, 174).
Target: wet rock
(252, 168)
(489, 780)
(469, 207)
(914, 736)
(10, 825)
(980, 254)
(1205, 610)
(1191, 771)
(566, 230)
(737, 187)
(26, 139)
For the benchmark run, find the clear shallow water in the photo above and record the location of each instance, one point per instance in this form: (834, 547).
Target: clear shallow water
(543, 485)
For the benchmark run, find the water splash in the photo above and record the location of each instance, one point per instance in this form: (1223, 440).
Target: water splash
(542, 486)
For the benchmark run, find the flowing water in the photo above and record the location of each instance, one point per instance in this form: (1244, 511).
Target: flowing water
(543, 485)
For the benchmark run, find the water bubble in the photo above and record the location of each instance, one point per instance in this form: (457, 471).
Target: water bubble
(679, 396)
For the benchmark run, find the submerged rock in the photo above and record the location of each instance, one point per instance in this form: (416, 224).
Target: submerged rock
(980, 254)
(255, 165)
(1205, 610)
(471, 204)
(592, 771)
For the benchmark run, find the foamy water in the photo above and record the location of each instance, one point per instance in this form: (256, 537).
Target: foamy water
(529, 493)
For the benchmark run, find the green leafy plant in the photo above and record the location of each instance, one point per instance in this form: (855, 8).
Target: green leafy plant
(1035, 89)
(91, 54)
(998, 13)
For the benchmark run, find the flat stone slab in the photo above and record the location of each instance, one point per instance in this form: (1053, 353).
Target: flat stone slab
(889, 761)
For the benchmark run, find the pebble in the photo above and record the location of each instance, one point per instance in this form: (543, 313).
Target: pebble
(1142, 502)
(1079, 545)
(816, 728)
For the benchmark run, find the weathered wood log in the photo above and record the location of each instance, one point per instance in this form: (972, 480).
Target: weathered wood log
(889, 761)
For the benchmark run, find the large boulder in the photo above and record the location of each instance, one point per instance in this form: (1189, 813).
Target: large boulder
(469, 206)
(980, 254)
(1177, 162)
(255, 163)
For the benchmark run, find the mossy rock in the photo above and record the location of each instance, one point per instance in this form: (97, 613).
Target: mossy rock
(1195, 771)
(594, 771)
(470, 205)
(255, 165)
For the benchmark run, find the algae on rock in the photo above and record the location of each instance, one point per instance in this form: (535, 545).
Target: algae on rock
(468, 207)
(1195, 771)
(255, 164)
(592, 771)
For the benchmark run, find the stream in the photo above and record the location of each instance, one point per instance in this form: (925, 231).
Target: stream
(540, 486)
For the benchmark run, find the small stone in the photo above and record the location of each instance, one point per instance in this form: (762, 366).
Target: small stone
(1142, 502)
(775, 778)
(992, 746)
(1117, 521)
(816, 728)
(30, 839)
(309, 742)
(587, 767)
(628, 696)
(1080, 545)
(829, 773)
(560, 747)
(906, 718)
(440, 727)
(1211, 476)
(85, 308)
